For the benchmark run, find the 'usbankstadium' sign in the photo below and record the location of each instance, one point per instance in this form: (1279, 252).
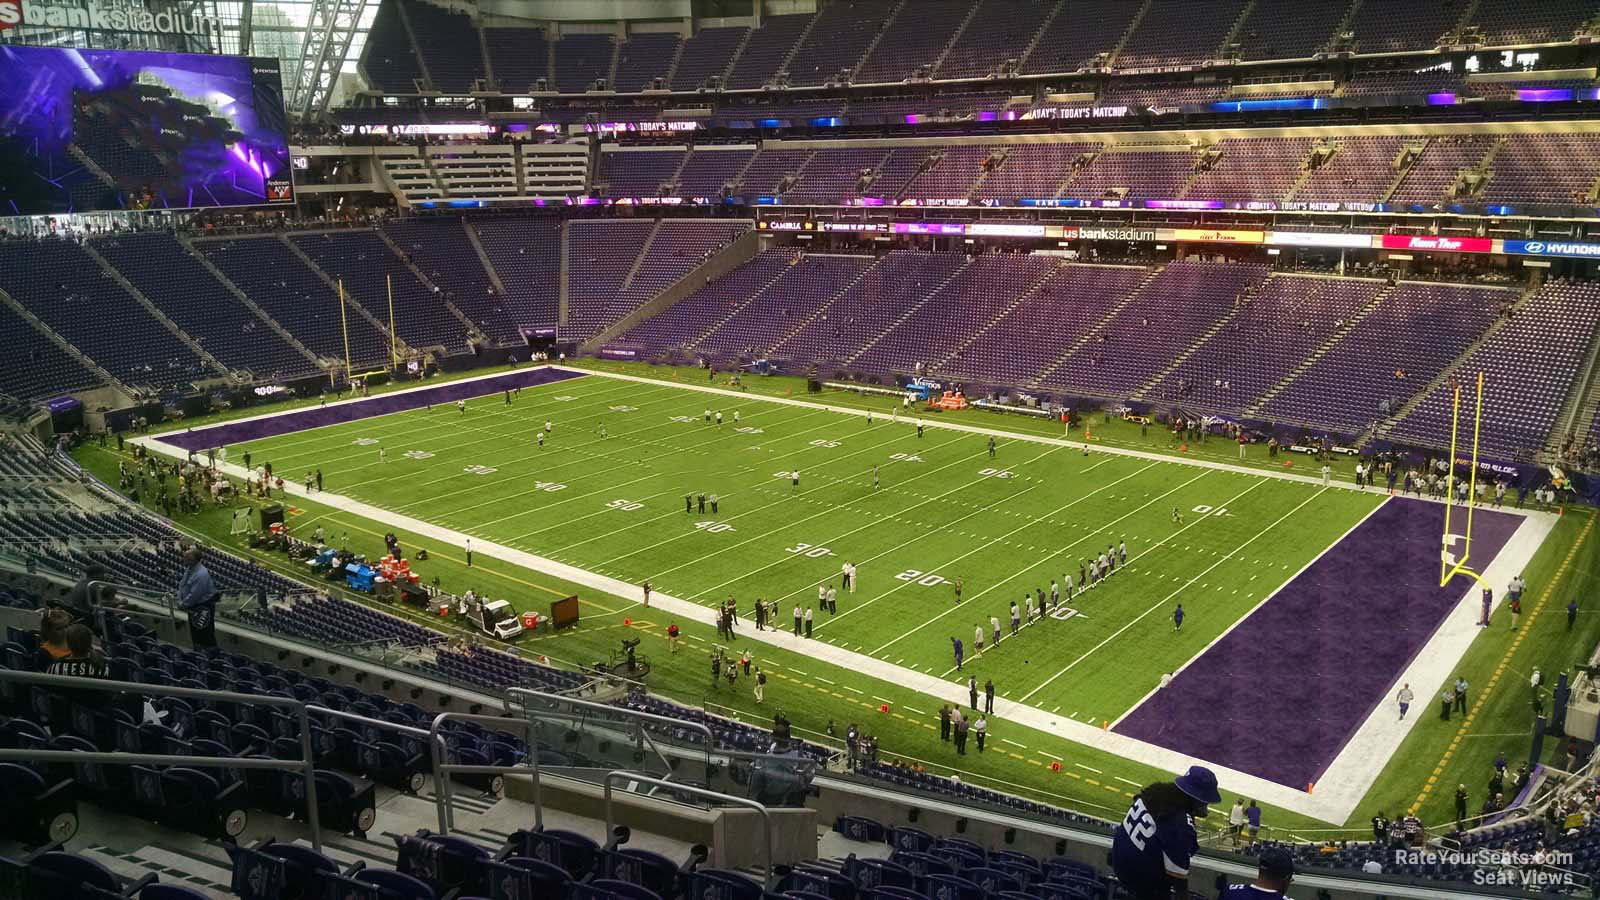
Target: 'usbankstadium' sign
(103, 16)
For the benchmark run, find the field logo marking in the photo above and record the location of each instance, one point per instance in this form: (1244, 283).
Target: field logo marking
(1062, 612)
(926, 579)
(809, 550)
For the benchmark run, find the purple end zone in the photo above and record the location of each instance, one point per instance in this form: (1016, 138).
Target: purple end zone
(382, 405)
(1281, 693)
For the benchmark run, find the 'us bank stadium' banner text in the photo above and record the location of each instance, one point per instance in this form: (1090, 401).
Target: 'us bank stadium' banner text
(104, 15)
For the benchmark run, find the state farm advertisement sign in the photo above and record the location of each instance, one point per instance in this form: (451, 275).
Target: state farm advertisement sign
(1435, 243)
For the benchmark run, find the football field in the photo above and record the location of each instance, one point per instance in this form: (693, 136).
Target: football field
(614, 487)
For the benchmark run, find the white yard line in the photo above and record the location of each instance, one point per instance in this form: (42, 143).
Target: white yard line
(518, 435)
(156, 436)
(563, 428)
(544, 475)
(828, 481)
(1137, 556)
(1051, 556)
(414, 428)
(1181, 588)
(1074, 443)
(1343, 784)
(824, 512)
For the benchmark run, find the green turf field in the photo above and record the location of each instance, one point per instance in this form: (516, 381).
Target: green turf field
(815, 694)
(606, 493)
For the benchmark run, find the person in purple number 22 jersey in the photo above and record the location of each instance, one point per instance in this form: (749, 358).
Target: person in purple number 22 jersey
(1151, 849)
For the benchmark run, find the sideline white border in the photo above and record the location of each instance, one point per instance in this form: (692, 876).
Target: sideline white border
(1335, 797)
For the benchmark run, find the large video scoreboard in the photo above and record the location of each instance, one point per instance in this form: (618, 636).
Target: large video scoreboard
(88, 130)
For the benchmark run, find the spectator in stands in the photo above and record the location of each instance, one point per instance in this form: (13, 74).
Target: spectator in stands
(52, 639)
(1275, 869)
(198, 597)
(1415, 835)
(87, 595)
(83, 660)
(1154, 842)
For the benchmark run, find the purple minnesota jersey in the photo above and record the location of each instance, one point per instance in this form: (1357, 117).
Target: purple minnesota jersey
(1147, 853)
(1249, 892)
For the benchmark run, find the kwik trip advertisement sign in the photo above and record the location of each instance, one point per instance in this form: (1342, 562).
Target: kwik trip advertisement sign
(103, 15)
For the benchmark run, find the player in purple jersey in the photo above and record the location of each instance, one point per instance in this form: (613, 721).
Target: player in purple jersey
(1151, 849)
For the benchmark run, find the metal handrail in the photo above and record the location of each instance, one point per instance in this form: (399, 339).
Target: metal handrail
(766, 817)
(624, 712)
(442, 770)
(307, 766)
(368, 720)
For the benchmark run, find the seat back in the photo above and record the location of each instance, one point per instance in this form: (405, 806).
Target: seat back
(57, 874)
(859, 828)
(607, 889)
(641, 867)
(524, 878)
(257, 875)
(904, 838)
(1076, 889)
(871, 873)
(924, 864)
(714, 884)
(148, 789)
(443, 862)
(992, 880)
(573, 853)
(812, 880)
(396, 885)
(953, 887)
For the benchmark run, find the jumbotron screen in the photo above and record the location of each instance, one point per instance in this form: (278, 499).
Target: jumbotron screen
(87, 130)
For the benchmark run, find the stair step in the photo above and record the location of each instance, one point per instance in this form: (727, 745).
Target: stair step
(168, 867)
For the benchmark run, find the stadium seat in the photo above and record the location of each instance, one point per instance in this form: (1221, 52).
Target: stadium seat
(50, 809)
